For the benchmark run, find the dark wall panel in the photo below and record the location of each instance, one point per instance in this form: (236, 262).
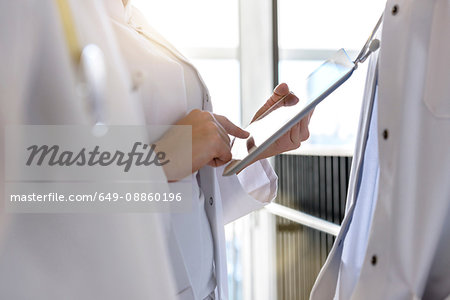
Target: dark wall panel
(316, 185)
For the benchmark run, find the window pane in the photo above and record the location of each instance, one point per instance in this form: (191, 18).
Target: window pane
(222, 78)
(327, 24)
(335, 120)
(194, 23)
(234, 240)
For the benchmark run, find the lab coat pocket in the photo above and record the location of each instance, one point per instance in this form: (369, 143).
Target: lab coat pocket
(437, 86)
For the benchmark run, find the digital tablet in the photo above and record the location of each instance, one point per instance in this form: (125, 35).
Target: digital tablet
(279, 118)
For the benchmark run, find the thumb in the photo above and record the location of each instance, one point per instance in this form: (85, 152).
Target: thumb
(279, 91)
(230, 128)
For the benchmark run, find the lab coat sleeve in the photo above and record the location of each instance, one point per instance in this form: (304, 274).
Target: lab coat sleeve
(253, 188)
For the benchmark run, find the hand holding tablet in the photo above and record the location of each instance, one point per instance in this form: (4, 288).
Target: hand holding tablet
(271, 126)
(293, 138)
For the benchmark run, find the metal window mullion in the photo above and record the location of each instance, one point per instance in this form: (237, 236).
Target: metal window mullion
(303, 218)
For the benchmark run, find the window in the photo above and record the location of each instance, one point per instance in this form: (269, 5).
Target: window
(309, 33)
(207, 32)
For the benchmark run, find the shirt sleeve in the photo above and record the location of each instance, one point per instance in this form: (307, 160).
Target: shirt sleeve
(248, 191)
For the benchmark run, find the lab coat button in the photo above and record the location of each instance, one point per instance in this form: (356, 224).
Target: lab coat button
(211, 201)
(138, 79)
(385, 134)
(395, 10)
(374, 260)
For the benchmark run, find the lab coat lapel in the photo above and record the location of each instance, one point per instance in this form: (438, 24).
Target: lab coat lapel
(214, 211)
(181, 275)
(135, 21)
(363, 134)
(325, 285)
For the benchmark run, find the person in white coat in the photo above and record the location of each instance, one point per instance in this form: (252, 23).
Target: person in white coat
(394, 241)
(174, 93)
(70, 256)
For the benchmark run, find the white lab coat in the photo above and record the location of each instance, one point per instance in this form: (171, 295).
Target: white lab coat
(70, 256)
(408, 249)
(162, 85)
